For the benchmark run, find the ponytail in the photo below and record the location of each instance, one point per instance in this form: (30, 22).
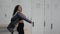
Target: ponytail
(15, 10)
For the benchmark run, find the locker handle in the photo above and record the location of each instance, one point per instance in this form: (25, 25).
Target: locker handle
(5, 15)
(44, 23)
(51, 26)
(33, 24)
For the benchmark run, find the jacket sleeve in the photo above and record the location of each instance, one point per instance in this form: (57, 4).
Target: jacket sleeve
(23, 17)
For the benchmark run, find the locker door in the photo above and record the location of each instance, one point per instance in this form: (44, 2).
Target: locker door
(56, 16)
(38, 16)
(48, 16)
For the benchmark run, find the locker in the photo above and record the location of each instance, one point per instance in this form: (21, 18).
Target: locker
(38, 16)
(56, 16)
(47, 16)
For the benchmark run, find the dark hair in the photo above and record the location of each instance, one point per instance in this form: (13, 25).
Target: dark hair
(15, 9)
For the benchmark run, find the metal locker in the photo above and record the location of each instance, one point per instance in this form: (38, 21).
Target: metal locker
(38, 16)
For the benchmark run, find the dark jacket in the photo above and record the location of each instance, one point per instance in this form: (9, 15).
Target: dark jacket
(14, 20)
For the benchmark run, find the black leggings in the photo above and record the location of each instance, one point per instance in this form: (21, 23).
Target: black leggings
(20, 28)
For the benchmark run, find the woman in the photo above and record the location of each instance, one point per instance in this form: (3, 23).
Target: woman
(20, 27)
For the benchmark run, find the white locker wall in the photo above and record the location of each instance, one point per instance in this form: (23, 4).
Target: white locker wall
(52, 16)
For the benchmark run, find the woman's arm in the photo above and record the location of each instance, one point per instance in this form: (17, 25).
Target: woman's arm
(21, 15)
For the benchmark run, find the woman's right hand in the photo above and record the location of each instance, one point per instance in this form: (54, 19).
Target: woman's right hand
(32, 23)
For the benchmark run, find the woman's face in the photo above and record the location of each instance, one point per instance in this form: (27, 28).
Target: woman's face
(20, 8)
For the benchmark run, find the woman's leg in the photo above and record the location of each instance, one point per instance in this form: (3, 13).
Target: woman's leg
(20, 28)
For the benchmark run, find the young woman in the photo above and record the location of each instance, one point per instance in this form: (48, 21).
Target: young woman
(20, 27)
